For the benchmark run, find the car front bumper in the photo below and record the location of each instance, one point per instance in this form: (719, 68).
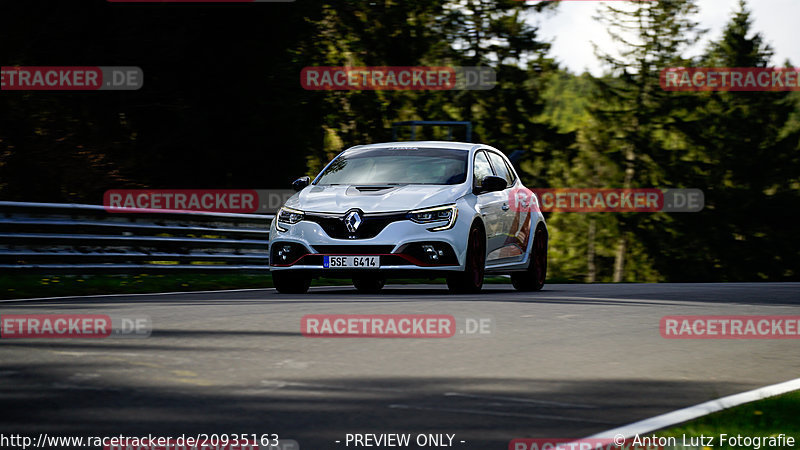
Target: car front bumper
(398, 246)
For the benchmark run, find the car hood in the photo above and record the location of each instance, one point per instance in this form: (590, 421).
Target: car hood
(340, 199)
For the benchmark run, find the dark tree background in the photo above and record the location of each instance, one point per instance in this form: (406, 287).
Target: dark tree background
(222, 107)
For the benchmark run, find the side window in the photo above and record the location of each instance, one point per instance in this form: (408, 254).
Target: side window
(500, 166)
(511, 172)
(481, 168)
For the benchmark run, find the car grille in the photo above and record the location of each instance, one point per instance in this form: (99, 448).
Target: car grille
(371, 224)
(353, 249)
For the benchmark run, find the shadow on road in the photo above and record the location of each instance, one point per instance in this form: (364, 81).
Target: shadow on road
(64, 398)
(585, 294)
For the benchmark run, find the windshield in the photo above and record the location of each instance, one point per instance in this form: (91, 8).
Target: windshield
(400, 165)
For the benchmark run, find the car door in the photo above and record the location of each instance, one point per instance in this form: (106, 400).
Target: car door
(489, 204)
(514, 224)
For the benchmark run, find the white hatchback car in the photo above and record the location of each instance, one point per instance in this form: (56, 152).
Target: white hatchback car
(410, 209)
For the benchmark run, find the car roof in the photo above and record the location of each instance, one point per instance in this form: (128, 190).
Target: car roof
(466, 146)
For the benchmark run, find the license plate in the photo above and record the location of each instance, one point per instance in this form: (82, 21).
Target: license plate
(351, 262)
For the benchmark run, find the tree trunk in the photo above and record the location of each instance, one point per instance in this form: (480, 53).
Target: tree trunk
(591, 273)
(622, 243)
(619, 260)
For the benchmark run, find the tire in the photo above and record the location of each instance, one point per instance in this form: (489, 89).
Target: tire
(533, 278)
(290, 283)
(470, 281)
(369, 284)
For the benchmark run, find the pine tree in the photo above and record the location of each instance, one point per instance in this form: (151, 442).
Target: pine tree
(652, 36)
(745, 149)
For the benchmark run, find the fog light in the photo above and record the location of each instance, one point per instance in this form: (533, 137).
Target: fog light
(284, 252)
(431, 252)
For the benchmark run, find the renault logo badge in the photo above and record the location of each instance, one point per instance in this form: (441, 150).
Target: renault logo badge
(352, 221)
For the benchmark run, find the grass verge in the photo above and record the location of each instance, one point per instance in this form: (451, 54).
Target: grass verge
(763, 418)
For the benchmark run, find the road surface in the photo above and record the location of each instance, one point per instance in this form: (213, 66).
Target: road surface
(569, 361)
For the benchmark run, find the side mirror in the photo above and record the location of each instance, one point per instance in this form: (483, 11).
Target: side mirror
(493, 184)
(300, 183)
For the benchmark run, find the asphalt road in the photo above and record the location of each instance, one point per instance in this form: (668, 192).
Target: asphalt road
(570, 361)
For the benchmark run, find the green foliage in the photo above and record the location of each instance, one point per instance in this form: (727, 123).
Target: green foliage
(767, 417)
(744, 155)
(255, 127)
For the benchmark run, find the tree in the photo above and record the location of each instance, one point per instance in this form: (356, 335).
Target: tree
(652, 36)
(746, 159)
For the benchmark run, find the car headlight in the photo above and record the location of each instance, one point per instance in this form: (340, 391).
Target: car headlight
(447, 213)
(289, 216)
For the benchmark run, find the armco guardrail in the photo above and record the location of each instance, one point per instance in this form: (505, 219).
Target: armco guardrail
(71, 238)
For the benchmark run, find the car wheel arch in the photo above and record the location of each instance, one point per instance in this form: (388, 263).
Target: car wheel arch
(478, 221)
